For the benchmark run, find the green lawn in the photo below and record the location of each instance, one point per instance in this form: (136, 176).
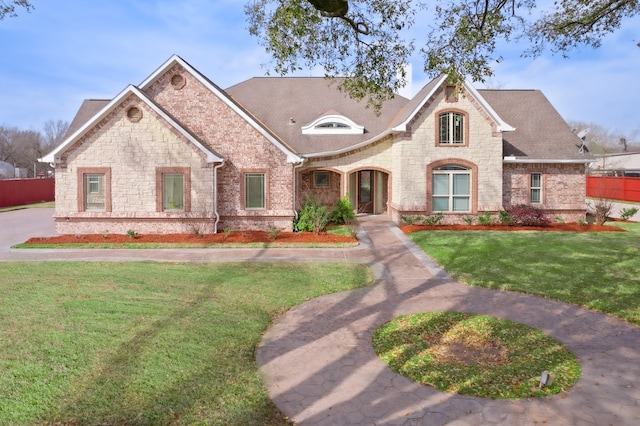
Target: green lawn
(600, 271)
(146, 343)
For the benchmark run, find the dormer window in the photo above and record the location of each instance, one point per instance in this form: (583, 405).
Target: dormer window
(332, 124)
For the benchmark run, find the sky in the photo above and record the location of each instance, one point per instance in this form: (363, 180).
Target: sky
(64, 52)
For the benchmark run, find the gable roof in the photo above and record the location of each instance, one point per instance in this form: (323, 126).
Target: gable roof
(280, 107)
(210, 156)
(246, 114)
(541, 134)
(429, 90)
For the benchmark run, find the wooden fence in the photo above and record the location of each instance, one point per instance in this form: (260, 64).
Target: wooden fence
(620, 188)
(17, 192)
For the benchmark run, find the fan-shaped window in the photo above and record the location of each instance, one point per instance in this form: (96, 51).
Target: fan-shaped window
(332, 124)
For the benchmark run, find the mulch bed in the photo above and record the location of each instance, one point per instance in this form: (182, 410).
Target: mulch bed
(558, 227)
(235, 237)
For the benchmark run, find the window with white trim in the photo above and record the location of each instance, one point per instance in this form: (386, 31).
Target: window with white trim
(536, 188)
(254, 191)
(451, 189)
(451, 128)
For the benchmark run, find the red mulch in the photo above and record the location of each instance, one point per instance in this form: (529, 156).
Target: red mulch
(562, 227)
(235, 237)
(244, 237)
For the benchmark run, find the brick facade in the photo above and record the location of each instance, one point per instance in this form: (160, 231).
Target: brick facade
(563, 188)
(135, 144)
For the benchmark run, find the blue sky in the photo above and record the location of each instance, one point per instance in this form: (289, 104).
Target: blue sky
(64, 52)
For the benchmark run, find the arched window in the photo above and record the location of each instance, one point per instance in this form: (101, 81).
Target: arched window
(451, 128)
(451, 189)
(333, 125)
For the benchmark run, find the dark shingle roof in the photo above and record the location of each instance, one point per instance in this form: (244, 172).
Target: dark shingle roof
(277, 100)
(541, 133)
(88, 109)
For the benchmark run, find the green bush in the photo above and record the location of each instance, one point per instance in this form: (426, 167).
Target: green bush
(434, 219)
(628, 212)
(485, 219)
(505, 218)
(410, 220)
(313, 217)
(342, 212)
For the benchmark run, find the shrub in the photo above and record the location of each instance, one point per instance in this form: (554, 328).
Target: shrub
(602, 209)
(505, 218)
(342, 212)
(313, 217)
(274, 232)
(628, 212)
(434, 219)
(485, 219)
(469, 220)
(528, 216)
(410, 220)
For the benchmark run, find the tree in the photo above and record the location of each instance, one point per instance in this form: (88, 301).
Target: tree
(598, 139)
(8, 8)
(366, 41)
(23, 148)
(54, 133)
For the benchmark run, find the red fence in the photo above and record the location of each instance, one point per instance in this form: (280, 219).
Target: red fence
(17, 192)
(614, 188)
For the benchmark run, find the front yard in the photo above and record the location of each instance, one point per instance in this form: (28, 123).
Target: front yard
(146, 343)
(598, 270)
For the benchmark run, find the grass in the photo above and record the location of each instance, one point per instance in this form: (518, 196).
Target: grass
(146, 343)
(475, 355)
(600, 271)
(43, 205)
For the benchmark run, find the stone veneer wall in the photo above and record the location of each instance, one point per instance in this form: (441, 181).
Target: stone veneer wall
(416, 150)
(563, 188)
(132, 152)
(242, 146)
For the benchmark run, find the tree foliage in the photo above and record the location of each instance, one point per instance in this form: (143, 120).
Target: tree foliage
(368, 41)
(23, 148)
(8, 8)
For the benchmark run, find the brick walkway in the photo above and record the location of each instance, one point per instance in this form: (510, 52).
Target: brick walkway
(321, 369)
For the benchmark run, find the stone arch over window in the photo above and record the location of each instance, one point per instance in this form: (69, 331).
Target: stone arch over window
(452, 186)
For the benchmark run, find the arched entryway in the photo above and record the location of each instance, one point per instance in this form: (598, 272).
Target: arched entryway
(369, 191)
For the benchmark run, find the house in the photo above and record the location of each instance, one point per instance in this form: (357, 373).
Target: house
(617, 164)
(178, 153)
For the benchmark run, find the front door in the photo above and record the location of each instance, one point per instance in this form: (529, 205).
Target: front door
(368, 191)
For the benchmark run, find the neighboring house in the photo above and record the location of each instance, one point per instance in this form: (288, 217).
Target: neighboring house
(618, 164)
(177, 152)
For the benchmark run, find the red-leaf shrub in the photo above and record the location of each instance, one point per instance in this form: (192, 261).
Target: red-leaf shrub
(528, 216)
